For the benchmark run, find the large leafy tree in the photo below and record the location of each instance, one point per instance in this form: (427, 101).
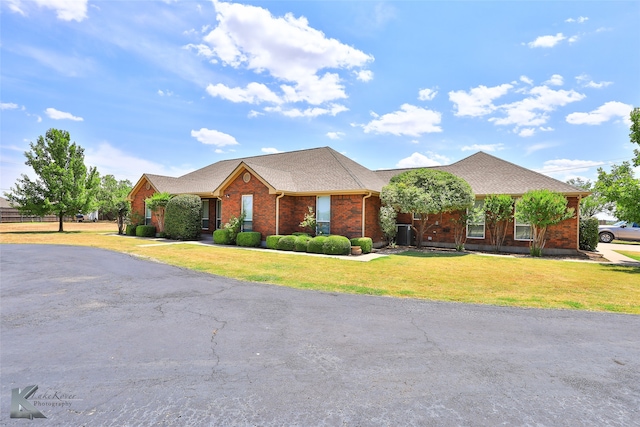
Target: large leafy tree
(592, 204)
(425, 192)
(541, 209)
(622, 188)
(110, 193)
(634, 135)
(498, 212)
(64, 185)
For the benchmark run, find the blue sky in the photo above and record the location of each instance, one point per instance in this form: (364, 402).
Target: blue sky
(169, 87)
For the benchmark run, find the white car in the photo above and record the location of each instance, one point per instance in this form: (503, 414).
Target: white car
(621, 230)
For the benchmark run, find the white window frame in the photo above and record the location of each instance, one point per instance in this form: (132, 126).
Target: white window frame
(516, 224)
(147, 214)
(247, 224)
(323, 229)
(205, 202)
(218, 214)
(477, 204)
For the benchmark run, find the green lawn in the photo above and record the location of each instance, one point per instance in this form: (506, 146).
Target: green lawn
(633, 255)
(507, 281)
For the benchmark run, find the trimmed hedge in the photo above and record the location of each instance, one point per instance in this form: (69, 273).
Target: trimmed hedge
(300, 233)
(146, 231)
(182, 217)
(287, 243)
(272, 241)
(365, 243)
(315, 245)
(588, 234)
(222, 237)
(130, 230)
(250, 239)
(336, 245)
(301, 243)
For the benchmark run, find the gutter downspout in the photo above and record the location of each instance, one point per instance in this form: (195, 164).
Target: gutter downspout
(364, 198)
(578, 223)
(278, 212)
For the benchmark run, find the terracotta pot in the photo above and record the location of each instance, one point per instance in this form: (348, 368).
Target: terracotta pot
(356, 250)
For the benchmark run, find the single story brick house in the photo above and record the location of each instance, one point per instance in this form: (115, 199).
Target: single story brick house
(276, 190)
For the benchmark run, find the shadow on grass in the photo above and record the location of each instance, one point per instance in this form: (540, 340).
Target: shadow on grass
(418, 254)
(41, 232)
(622, 268)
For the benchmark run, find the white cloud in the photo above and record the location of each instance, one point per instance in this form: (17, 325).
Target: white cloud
(286, 48)
(335, 135)
(579, 20)
(332, 110)
(478, 101)
(526, 80)
(573, 39)
(562, 166)
(61, 115)
(427, 94)
(526, 132)
(555, 80)
(410, 121)
(586, 81)
(417, 160)
(483, 147)
(537, 147)
(8, 106)
(533, 110)
(604, 113)
(112, 161)
(254, 93)
(364, 75)
(270, 150)
(165, 93)
(254, 113)
(546, 41)
(213, 137)
(66, 10)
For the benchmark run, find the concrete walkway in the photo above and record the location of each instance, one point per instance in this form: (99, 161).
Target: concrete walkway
(608, 250)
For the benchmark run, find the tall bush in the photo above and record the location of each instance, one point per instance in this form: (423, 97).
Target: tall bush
(498, 213)
(249, 239)
(336, 245)
(387, 219)
(365, 243)
(234, 226)
(315, 245)
(588, 234)
(183, 217)
(158, 203)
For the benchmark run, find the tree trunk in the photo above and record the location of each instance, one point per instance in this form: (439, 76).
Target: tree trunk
(60, 217)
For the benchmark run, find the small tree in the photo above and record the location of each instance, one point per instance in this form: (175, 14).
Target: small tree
(592, 204)
(122, 208)
(64, 186)
(541, 209)
(498, 213)
(109, 194)
(234, 226)
(158, 203)
(424, 192)
(309, 222)
(387, 219)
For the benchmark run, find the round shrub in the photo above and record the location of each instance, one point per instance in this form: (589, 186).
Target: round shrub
(315, 245)
(222, 237)
(182, 217)
(146, 231)
(588, 234)
(249, 239)
(365, 244)
(301, 243)
(287, 243)
(130, 230)
(272, 241)
(336, 245)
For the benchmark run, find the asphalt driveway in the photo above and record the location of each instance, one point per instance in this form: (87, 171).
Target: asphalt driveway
(114, 340)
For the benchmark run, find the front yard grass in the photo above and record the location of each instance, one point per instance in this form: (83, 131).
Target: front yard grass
(633, 255)
(505, 281)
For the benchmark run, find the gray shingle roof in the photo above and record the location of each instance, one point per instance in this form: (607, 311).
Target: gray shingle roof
(490, 175)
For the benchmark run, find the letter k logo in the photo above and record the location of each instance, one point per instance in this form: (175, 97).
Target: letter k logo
(21, 407)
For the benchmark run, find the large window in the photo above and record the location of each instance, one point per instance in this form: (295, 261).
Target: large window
(323, 215)
(475, 225)
(522, 230)
(205, 214)
(147, 214)
(218, 214)
(247, 210)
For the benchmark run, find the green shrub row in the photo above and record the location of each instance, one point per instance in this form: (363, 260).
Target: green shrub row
(328, 245)
(588, 234)
(146, 231)
(222, 237)
(130, 230)
(249, 239)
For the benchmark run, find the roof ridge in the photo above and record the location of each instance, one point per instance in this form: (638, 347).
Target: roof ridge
(355, 178)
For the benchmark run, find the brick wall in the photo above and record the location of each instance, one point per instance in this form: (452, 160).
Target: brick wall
(137, 203)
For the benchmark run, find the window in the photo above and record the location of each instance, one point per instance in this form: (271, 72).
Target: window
(147, 215)
(247, 210)
(323, 214)
(522, 230)
(475, 224)
(205, 214)
(218, 214)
